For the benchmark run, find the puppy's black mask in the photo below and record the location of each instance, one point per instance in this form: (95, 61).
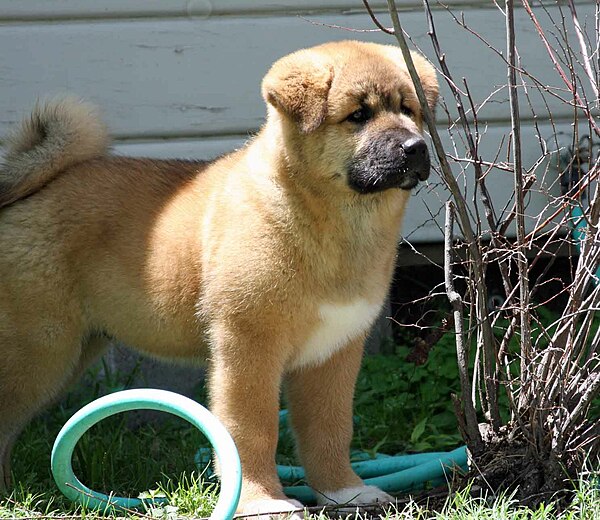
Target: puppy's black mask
(395, 159)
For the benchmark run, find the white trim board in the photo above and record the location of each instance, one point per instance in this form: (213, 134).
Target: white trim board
(175, 78)
(15, 10)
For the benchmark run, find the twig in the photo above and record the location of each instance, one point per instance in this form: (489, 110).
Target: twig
(462, 352)
(519, 200)
(486, 341)
(422, 346)
(557, 65)
(487, 337)
(331, 508)
(375, 20)
(110, 504)
(335, 26)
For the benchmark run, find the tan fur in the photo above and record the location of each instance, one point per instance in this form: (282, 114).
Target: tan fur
(248, 258)
(58, 134)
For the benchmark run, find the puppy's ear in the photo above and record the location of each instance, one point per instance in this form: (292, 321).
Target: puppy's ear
(428, 78)
(298, 86)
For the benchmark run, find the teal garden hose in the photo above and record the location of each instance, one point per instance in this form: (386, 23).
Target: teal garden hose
(389, 473)
(145, 399)
(573, 161)
(578, 232)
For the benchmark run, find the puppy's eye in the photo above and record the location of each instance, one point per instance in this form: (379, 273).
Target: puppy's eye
(362, 115)
(407, 111)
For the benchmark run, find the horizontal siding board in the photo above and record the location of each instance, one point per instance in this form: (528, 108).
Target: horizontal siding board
(167, 78)
(74, 9)
(203, 149)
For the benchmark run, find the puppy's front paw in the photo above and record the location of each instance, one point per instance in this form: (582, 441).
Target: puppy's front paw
(354, 495)
(274, 509)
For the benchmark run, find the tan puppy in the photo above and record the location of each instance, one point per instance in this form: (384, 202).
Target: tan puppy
(275, 260)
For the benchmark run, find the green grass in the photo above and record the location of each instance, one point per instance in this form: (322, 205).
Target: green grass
(190, 498)
(400, 407)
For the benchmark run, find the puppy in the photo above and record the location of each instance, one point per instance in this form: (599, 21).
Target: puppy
(272, 261)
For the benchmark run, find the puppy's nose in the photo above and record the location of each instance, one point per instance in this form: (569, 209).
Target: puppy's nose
(417, 156)
(415, 146)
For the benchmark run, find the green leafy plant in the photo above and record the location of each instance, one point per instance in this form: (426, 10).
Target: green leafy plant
(403, 407)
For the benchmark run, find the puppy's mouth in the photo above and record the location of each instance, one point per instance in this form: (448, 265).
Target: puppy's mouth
(393, 160)
(408, 182)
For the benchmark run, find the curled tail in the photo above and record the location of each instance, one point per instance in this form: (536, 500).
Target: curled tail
(58, 134)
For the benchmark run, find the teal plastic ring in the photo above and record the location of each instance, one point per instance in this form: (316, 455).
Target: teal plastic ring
(145, 399)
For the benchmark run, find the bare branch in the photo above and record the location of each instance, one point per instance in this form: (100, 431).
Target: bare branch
(584, 50)
(375, 20)
(468, 406)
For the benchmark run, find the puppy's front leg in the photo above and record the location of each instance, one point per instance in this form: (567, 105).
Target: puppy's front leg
(320, 401)
(245, 383)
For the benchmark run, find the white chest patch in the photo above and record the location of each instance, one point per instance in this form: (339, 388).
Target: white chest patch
(339, 324)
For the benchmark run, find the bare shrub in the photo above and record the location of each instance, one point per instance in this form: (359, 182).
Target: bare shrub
(551, 380)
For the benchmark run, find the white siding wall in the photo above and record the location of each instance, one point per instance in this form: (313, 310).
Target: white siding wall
(182, 77)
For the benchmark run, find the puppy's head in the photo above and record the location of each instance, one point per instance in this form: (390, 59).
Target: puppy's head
(350, 115)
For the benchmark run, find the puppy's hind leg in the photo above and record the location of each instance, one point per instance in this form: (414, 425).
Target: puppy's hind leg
(32, 375)
(5, 472)
(91, 351)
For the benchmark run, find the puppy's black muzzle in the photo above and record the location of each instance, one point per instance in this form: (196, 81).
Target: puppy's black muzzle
(395, 159)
